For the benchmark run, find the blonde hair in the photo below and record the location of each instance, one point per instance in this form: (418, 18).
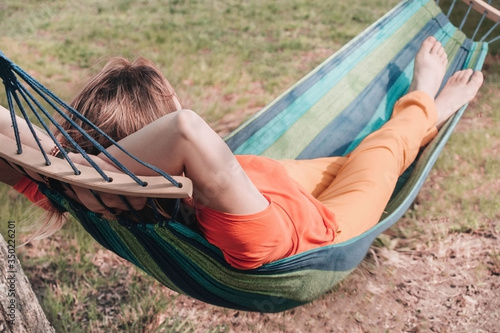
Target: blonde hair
(120, 99)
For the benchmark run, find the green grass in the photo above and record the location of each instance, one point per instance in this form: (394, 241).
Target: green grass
(222, 57)
(207, 49)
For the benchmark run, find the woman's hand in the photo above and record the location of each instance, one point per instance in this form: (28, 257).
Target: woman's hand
(110, 200)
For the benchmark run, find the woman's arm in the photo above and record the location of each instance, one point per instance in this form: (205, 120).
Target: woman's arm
(9, 175)
(24, 131)
(182, 142)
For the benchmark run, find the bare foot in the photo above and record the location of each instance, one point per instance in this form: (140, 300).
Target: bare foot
(430, 67)
(460, 89)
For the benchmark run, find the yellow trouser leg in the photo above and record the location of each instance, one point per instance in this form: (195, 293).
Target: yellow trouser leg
(357, 187)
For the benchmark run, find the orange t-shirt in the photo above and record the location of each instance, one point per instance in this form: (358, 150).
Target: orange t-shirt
(30, 190)
(293, 222)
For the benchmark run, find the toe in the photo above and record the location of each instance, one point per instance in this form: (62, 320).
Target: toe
(428, 44)
(467, 74)
(455, 76)
(463, 75)
(441, 52)
(437, 48)
(477, 78)
(431, 39)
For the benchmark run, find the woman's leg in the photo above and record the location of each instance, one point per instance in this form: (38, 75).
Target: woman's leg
(365, 183)
(317, 174)
(314, 175)
(357, 187)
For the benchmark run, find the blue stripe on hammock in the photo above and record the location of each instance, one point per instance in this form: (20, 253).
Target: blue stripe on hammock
(241, 143)
(167, 256)
(357, 115)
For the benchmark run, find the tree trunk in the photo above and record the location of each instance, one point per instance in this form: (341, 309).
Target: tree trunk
(20, 311)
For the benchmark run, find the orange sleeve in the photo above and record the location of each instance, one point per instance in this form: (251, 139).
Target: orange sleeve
(30, 190)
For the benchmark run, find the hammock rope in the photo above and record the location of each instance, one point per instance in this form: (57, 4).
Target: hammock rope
(483, 8)
(12, 85)
(17, 93)
(372, 71)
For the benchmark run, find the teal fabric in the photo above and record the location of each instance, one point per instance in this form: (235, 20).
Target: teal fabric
(347, 97)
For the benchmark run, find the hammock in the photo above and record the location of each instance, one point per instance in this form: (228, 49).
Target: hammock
(350, 94)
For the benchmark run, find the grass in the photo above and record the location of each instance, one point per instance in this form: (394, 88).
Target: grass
(225, 45)
(223, 56)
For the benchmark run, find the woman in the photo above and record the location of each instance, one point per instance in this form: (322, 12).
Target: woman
(258, 210)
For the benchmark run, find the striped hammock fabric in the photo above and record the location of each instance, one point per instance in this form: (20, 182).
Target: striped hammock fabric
(326, 113)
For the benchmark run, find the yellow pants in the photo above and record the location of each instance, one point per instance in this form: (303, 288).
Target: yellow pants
(358, 186)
